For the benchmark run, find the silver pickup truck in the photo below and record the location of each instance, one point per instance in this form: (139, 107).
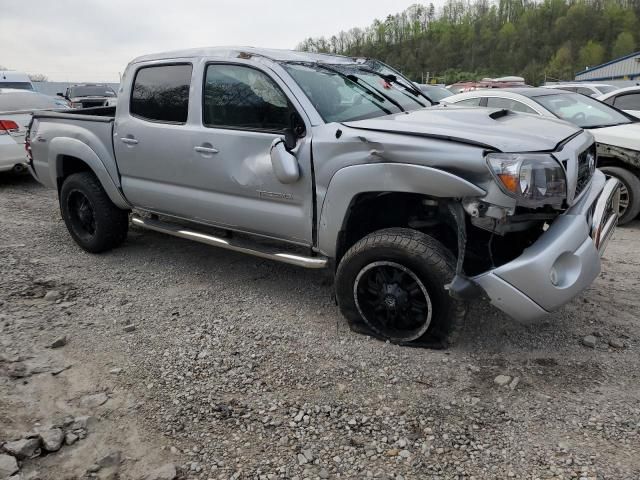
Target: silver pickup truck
(341, 163)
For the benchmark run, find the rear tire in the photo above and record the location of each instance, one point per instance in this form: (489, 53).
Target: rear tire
(390, 285)
(92, 219)
(630, 194)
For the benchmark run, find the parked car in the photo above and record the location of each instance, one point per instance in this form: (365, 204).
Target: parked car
(16, 107)
(89, 95)
(331, 162)
(627, 99)
(617, 134)
(589, 89)
(16, 80)
(434, 92)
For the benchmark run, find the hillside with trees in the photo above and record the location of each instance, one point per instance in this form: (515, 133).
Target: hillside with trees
(552, 39)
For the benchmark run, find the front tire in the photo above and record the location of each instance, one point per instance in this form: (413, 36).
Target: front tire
(629, 193)
(92, 219)
(390, 285)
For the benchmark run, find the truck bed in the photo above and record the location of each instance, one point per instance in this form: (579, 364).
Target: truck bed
(85, 133)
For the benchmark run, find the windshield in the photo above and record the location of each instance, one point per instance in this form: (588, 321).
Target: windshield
(606, 88)
(91, 91)
(435, 93)
(343, 93)
(17, 85)
(583, 111)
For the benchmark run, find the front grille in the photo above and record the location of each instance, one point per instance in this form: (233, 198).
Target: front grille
(586, 168)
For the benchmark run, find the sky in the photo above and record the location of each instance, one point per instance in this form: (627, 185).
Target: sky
(93, 40)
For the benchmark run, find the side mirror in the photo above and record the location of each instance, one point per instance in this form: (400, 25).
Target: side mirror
(284, 163)
(60, 94)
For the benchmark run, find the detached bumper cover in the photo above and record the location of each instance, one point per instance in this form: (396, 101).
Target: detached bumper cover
(562, 263)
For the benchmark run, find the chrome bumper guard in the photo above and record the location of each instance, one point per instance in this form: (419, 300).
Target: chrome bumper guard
(605, 215)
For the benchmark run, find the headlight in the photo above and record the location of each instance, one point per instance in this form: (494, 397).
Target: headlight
(533, 178)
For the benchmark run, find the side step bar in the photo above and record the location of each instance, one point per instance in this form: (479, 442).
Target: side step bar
(179, 231)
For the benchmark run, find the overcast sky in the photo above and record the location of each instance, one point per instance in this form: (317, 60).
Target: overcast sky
(93, 40)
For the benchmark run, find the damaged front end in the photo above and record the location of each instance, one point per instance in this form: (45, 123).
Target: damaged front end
(535, 240)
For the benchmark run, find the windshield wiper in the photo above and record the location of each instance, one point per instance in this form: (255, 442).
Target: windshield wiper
(372, 91)
(393, 79)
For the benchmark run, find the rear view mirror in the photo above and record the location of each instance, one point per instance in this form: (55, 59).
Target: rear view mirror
(284, 163)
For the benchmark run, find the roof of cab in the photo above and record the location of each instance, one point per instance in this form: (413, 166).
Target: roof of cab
(246, 53)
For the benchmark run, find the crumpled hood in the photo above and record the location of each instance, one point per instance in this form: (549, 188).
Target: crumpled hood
(625, 136)
(486, 127)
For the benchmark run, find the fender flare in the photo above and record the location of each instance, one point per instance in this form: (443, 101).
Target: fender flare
(65, 146)
(351, 181)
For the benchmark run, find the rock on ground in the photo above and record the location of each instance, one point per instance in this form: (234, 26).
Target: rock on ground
(94, 400)
(502, 380)
(24, 448)
(589, 341)
(8, 465)
(52, 439)
(166, 472)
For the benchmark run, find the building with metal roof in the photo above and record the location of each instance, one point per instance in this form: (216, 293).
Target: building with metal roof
(625, 68)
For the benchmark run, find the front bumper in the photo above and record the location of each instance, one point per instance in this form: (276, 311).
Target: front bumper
(563, 262)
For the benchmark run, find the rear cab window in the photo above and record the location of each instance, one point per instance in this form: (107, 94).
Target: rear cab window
(160, 93)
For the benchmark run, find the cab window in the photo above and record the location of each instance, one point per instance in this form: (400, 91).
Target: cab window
(242, 97)
(161, 93)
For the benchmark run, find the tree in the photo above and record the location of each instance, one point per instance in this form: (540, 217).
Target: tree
(38, 77)
(591, 54)
(560, 67)
(624, 45)
(471, 39)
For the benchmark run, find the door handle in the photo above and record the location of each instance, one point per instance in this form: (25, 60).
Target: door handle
(129, 141)
(205, 149)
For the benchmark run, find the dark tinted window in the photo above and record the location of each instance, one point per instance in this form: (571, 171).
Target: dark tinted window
(17, 85)
(630, 101)
(162, 93)
(509, 104)
(585, 91)
(243, 97)
(469, 102)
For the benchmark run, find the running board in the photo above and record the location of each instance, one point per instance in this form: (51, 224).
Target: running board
(181, 232)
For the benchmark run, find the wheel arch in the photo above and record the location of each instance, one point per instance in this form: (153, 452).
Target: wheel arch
(69, 155)
(397, 182)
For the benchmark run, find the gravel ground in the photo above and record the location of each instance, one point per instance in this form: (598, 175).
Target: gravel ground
(230, 367)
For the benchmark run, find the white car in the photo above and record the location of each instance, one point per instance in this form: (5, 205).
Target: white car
(617, 133)
(17, 80)
(589, 89)
(627, 99)
(16, 107)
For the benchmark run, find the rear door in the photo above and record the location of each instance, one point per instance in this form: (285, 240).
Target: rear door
(151, 137)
